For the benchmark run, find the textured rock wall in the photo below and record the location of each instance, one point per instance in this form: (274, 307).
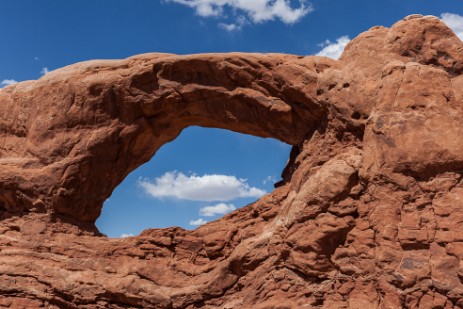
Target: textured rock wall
(369, 214)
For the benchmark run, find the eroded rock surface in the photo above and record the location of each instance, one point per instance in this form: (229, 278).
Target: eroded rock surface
(369, 214)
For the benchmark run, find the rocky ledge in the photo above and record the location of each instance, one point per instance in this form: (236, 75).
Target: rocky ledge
(369, 213)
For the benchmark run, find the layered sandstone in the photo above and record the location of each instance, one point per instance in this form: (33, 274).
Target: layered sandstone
(369, 213)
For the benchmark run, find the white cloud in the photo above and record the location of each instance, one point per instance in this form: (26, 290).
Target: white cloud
(256, 11)
(219, 209)
(334, 50)
(199, 188)
(229, 27)
(270, 179)
(237, 25)
(126, 235)
(44, 71)
(198, 222)
(455, 22)
(7, 82)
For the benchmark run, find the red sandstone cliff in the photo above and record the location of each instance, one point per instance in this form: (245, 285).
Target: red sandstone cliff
(370, 214)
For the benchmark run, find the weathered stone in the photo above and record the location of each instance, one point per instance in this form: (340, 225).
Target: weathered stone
(369, 213)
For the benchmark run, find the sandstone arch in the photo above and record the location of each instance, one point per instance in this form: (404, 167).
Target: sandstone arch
(369, 216)
(109, 117)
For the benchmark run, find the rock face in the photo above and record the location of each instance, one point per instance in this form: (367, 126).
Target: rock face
(369, 214)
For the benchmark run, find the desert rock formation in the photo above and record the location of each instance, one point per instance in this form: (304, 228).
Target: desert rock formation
(369, 213)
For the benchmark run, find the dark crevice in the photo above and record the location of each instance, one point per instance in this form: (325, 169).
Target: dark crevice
(124, 301)
(308, 278)
(415, 246)
(356, 115)
(333, 241)
(428, 171)
(290, 167)
(455, 70)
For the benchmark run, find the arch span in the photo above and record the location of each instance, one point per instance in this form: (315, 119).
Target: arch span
(77, 132)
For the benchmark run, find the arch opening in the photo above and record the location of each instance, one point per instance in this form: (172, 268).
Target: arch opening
(199, 177)
(117, 114)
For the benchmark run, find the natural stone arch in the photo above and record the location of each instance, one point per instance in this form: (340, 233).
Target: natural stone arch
(369, 216)
(78, 131)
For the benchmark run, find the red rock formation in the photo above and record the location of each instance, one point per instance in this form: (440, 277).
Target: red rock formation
(369, 214)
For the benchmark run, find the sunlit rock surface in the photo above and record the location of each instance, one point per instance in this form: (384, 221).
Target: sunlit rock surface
(369, 213)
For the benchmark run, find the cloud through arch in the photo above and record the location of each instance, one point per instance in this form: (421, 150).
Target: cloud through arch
(205, 188)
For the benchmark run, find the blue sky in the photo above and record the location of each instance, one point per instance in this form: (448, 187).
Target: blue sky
(205, 172)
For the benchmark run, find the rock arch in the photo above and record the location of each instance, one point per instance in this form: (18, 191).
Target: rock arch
(72, 136)
(369, 215)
